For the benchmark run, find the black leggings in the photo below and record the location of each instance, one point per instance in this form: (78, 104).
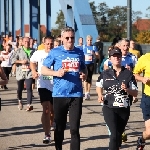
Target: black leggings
(90, 69)
(28, 83)
(61, 106)
(116, 119)
(7, 71)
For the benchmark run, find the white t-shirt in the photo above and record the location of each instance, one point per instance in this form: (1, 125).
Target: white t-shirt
(7, 60)
(43, 81)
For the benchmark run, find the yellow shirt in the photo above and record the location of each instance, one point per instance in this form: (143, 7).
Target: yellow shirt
(143, 64)
(135, 52)
(41, 47)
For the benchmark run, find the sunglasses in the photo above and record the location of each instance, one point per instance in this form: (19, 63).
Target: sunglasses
(49, 44)
(67, 38)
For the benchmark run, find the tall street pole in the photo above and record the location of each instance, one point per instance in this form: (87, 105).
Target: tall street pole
(129, 19)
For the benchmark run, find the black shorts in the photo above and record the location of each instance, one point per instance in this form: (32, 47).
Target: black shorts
(90, 69)
(45, 95)
(33, 81)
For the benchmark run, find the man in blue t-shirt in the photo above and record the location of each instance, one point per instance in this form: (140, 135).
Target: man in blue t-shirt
(68, 74)
(80, 45)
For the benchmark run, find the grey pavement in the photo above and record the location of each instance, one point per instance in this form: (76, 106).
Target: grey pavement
(23, 130)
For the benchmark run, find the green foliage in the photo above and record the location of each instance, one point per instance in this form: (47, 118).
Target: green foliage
(55, 32)
(60, 21)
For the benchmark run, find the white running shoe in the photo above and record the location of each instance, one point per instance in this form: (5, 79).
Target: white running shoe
(85, 97)
(47, 139)
(88, 96)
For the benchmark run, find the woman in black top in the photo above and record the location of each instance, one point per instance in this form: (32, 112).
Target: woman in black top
(120, 87)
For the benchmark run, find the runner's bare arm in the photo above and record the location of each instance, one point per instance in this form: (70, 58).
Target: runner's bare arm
(142, 79)
(33, 66)
(99, 91)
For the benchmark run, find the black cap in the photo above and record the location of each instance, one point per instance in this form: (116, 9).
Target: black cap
(115, 51)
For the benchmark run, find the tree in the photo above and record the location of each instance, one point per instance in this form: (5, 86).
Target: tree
(143, 37)
(55, 32)
(60, 21)
(94, 11)
(148, 15)
(136, 15)
(102, 9)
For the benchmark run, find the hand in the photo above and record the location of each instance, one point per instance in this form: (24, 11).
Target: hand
(60, 72)
(24, 61)
(145, 80)
(2, 59)
(83, 76)
(100, 99)
(35, 74)
(128, 67)
(124, 87)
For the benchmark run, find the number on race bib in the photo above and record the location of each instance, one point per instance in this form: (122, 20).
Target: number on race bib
(47, 77)
(70, 66)
(26, 67)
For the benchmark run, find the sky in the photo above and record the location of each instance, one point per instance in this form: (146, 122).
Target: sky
(137, 5)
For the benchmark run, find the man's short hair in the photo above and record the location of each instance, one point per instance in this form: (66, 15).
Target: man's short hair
(67, 29)
(48, 37)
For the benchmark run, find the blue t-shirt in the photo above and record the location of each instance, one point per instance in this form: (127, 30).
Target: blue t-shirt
(88, 53)
(70, 85)
(126, 60)
(80, 47)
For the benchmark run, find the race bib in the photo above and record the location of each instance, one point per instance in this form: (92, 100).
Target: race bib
(121, 101)
(47, 77)
(88, 51)
(88, 58)
(26, 67)
(70, 66)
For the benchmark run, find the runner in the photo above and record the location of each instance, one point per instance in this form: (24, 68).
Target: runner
(80, 43)
(3, 77)
(6, 62)
(119, 85)
(56, 43)
(44, 86)
(143, 66)
(90, 53)
(23, 73)
(69, 71)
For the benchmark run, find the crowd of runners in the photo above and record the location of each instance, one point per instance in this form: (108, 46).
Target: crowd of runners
(63, 71)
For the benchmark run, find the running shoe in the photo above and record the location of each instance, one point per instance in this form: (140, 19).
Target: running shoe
(88, 96)
(135, 99)
(85, 97)
(29, 108)
(20, 106)
(140, 144)
(47, 139)
(5, 87)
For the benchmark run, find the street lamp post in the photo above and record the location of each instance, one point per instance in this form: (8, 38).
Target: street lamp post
(129, 19)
